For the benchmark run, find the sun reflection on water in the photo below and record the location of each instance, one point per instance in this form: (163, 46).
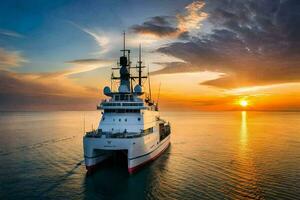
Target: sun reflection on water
(246, 170)
(244, 131)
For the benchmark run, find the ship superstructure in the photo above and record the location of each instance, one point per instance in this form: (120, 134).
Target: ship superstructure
(130, 121)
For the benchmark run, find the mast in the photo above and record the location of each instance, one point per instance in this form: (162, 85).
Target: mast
(123, 43)
(126, 78)
(156, 106)
(140, 65)
(149, 84)
(126, 83)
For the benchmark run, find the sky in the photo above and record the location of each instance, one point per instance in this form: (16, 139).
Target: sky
(206, 55)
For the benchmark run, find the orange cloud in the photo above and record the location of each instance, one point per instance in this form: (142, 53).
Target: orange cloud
(51, 90)
(84, 65)
(182, 91)
(43, 91)
(193, 17)
(10, 59)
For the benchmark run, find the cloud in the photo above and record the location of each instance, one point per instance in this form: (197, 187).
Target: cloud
(57, 90)
(35, 91)
(102, 40)
(174, 26)
(49, 90)
(253, 42)
(10, 33)
(9, 59)
(174, 67)
(90, 61)
(84, 65)
(160, 26)
(192, 18)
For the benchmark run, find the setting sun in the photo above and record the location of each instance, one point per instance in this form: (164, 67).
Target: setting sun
(244, 103)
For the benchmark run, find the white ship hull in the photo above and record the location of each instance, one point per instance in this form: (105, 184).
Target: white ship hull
(140, 150)
(136, 162)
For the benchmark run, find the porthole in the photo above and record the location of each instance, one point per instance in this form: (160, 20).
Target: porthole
(119, 119)
(125, 120)
(139, 119)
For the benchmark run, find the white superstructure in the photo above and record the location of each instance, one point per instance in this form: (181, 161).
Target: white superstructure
(129, 124)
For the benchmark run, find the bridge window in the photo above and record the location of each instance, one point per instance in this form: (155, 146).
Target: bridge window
(121, 111)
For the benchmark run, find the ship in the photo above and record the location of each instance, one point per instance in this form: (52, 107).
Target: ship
(130, 123)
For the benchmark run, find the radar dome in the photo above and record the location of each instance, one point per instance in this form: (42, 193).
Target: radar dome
(107, 91)
(138, 89)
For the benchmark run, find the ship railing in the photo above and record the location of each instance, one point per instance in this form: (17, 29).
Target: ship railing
(93, 133)
(99, 134)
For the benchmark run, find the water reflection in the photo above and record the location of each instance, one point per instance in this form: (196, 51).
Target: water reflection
(113, 181)
(247, 185)
(243, 131)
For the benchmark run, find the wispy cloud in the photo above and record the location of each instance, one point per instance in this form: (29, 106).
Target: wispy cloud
(100, 37)
(35, 91)
(266, 89)
(85, 65)
(102, 40)
(10, 33)
(10, 59)
(49, 90)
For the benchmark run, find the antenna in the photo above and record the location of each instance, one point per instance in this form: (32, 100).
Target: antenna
(124, 43)
(149, 84)
(140, 65)
(158, 93)
(111, 80)
(156, 106)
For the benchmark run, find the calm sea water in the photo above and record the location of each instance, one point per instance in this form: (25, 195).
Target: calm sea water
(213, 155)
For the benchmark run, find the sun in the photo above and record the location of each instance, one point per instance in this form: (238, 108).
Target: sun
(244, 103)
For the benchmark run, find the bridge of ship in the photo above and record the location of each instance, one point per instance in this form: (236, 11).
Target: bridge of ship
(122, 101)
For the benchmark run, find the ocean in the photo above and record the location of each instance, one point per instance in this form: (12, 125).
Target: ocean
(213, 155)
